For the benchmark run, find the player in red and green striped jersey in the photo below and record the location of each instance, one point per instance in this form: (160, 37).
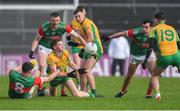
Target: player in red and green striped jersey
(21, 80)
(138, 49)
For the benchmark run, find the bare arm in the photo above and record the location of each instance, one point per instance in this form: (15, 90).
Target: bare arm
(76, 35)
(35, 42)
(119, 34)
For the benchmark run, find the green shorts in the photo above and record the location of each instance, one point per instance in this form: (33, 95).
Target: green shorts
(165, 61)
(76, 49)
(87, 56)
(58, 80)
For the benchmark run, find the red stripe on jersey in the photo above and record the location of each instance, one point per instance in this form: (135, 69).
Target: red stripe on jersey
(130, 33)
(40, 31)
(13, 86)
(68, 28)
(38, 81)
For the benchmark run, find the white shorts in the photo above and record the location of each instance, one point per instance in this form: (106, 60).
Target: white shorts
(44, 49)
(139, 59)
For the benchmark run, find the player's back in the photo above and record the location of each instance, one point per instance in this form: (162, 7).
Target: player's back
(166, 37)
(19, 85)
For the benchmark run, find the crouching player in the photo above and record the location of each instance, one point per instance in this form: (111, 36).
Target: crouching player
(21, 81)
(59, 59)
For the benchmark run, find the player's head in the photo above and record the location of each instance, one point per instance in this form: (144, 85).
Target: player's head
(27, 67)
(146, 26)
(80, 14)
(54, 20)
(158, 17)
(57, 45)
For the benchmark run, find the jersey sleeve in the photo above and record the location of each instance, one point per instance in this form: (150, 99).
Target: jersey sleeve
(130, 33)
(68, 29)
(38, 81)
(40, 31)
(152, 33)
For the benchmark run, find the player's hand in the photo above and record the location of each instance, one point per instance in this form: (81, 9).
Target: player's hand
(70, 43)
(105, 38)
(68, 38)
(82, 71)
(72, 74)
(81, 53)
(144, 64)
(41, 92)
(31, 55)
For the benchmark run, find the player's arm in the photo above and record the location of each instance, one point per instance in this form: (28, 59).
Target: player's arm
(74, 34)
(35, 42)
(118, 34)
(148, 53)
(18, 69)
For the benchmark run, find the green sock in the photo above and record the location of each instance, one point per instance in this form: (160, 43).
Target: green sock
(94, 91)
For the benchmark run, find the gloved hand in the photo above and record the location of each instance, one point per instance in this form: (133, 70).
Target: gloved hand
(82, 71)
(144, 64)
(72, 74)
(70, 43)
(41, 92)
(105, 38)
(31, 54)
(68, 38)
(81, 53)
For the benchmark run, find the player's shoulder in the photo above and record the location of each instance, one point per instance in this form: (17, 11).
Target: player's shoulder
(45, 25)
(62, 24)
(51, 56)
(87, 21)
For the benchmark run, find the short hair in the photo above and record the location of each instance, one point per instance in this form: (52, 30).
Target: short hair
(159, 16)
(79, 9)
(53, 43)
(148, 21)
(54, 14)
(27, 66)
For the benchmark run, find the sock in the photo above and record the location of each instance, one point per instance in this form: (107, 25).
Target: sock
(94, 91)
(62, 92)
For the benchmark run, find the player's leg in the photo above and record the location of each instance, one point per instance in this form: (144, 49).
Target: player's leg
(89, 65)
(83, 78)
(74, 91)
(77, 61)
(150, 66)
(52, 91)
(63, 92)
(131, 70)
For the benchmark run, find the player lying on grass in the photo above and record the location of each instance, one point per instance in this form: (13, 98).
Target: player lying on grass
(21, 80)
(59, 59)
(164, 39)
(138, 51)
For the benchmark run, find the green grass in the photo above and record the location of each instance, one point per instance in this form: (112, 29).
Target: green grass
(107, 86)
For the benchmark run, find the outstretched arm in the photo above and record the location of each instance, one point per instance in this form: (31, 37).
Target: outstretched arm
(119, 34)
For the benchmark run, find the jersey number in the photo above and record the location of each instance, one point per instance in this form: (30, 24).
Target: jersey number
(19, 87)
(167, 34)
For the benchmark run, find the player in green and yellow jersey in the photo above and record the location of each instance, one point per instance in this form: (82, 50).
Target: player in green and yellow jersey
(91, 34)
(59, 59)
(138, 49)
(164, 39)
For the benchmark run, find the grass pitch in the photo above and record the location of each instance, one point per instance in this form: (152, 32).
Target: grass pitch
(107, 86)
